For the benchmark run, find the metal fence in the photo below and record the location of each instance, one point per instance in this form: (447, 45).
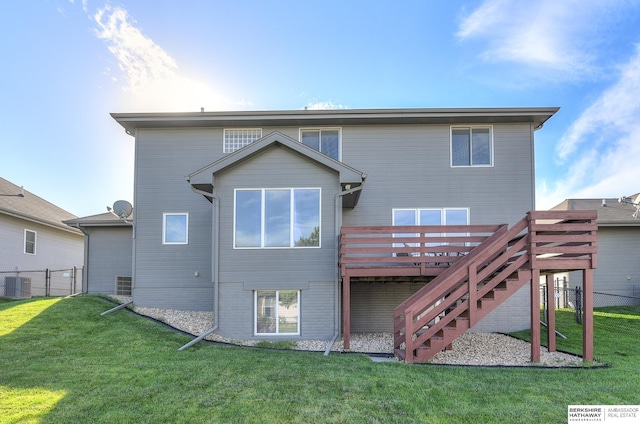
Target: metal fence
(565, 297)
(45, 282)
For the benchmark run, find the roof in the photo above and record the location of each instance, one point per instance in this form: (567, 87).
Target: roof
(106, 219)
(450, 116)
(204, 178)
(32, 208)
(611, 212)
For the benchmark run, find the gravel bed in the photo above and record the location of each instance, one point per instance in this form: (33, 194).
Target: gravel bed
(485, 349)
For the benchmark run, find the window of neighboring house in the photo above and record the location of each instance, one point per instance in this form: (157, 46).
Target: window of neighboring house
(324, 140)
(471, 146)
(29, 242)
(429, 216)
(237, 138)
(123, 286)
(277, 218)
(277, 312)
(175, 228)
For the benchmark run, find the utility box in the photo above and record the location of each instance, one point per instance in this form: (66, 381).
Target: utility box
(17, 287)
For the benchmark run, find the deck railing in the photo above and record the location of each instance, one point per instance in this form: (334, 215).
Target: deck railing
(425, 250)
(476, 268)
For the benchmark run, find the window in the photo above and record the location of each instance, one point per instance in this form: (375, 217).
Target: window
(326, 141)
(237, 138)
(277, 312)
(277, 218)
(471, 146)
(175, 228)
(431, 216)
(29, 242)
(123, 286)
(428, 216)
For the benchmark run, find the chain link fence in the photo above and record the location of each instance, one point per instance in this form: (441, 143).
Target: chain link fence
(565, 297)
(45, 282)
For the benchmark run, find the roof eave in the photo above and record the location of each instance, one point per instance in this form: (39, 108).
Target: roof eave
(49, 224)
(536, 116)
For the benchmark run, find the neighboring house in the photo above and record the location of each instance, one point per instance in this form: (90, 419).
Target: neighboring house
(33, 237)
(618, 271)
(108, 253)
(241, 212)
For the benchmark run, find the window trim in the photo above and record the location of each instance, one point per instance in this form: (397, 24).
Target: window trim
(291, 217)
(35, 242)
(339, 129)
(255, 313)
(442, 211)
(443, 215)
(164, 228)
(225, 148)
(471, 128)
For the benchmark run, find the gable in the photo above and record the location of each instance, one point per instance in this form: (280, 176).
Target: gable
(204, 179)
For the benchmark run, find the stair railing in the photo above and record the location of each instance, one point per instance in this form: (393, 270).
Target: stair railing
(456, 291)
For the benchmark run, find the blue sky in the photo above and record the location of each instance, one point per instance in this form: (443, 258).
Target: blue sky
(67, 64)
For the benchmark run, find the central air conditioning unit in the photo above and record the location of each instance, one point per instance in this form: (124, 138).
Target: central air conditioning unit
(17, 287)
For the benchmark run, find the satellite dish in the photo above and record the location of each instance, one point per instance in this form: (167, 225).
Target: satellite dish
(122, 208)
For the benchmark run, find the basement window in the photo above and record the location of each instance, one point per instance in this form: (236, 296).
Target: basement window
(277, 312)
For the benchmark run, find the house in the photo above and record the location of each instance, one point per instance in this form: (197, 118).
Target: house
(108, 253)
(618, 274)
(252, 214)
(36, 246)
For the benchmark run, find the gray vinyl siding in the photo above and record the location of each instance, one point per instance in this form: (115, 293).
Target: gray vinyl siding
(165, 275)
(55, 249)
(409, 167)
(618, 253)
(109, 256)
(311, 269)
(372, 305)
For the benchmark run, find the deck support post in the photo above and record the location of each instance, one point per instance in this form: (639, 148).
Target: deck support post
(346, 312)
(587, 318)
(551, 314)
(535, 315)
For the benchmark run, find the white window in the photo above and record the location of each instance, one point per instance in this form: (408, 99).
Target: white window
(276, 312)
(324, 140)
(29, 242)
(429, 216)
(277, 218)
(471, 146)
(237, 138)
(175, 228)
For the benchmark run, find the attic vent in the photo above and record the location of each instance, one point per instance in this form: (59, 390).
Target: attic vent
(123, 286)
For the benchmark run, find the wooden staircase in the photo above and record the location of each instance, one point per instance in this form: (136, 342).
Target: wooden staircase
(472, 287)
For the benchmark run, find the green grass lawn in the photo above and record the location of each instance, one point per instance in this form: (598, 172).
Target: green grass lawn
(61, 362)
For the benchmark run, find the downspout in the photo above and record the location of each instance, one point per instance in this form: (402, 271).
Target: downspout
(338, 225)
(215, 236)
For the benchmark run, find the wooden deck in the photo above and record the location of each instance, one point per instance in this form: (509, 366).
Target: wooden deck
(459, 257)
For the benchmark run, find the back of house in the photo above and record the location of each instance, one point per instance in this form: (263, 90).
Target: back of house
(240, 212)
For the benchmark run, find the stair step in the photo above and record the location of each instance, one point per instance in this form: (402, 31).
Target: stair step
(400, 353)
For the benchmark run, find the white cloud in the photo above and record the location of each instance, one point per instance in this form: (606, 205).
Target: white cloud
(327, 104)
(153, 80)
(601, 149)
(554, 36)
